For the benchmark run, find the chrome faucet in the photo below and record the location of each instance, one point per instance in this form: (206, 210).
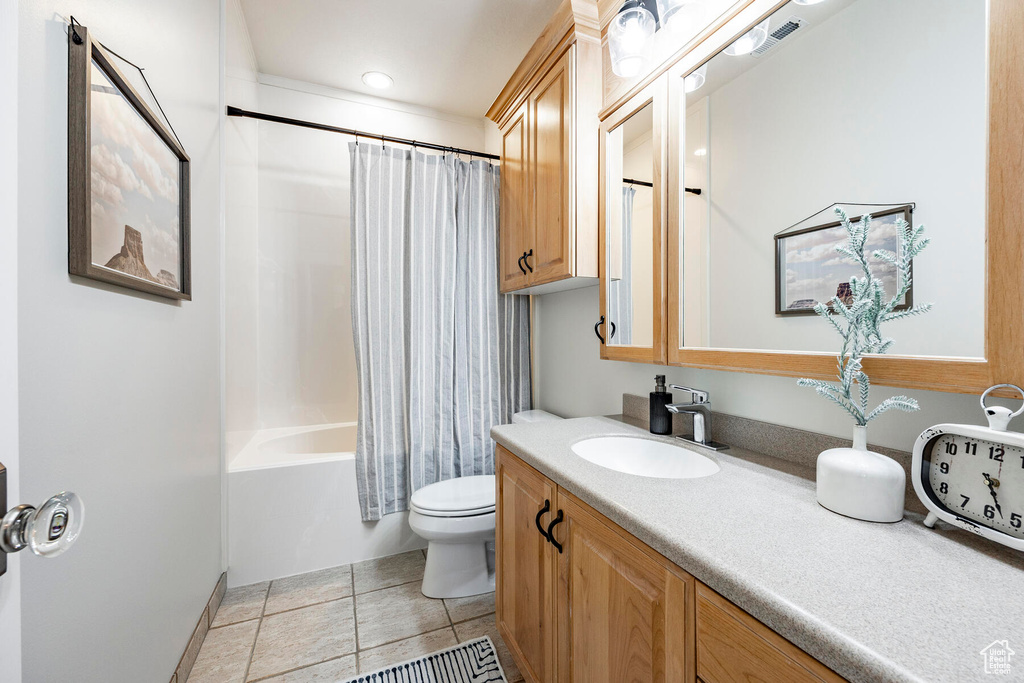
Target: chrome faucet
(698, 407)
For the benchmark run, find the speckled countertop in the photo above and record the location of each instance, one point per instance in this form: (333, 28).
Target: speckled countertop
(875, 602)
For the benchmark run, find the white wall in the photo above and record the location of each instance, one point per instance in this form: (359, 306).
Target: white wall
(290, 352)
(10, 583)
(571, 380)
(882, 102)
(119, 392)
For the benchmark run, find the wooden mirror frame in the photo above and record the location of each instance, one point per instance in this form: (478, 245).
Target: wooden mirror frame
(1004, 238)
(655, 94)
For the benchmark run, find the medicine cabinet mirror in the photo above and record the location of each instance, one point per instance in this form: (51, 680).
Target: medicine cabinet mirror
(876, 107)
(632, 232)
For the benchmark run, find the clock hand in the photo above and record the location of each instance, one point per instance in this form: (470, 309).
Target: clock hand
(992, 490)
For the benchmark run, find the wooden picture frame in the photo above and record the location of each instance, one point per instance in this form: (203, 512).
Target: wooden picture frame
(781, 264)
(140, 170)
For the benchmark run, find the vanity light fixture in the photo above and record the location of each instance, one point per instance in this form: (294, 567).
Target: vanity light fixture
(695, 79)
(629, 38)
(378, 80)
(673, 14)
(749, 41)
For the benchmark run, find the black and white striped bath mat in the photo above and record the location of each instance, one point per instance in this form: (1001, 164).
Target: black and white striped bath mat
(475, 661)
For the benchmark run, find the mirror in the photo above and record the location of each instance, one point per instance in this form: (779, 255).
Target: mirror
(876, 107)
(630, 228)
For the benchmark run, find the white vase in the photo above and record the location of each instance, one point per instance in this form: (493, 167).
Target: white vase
(859, 483)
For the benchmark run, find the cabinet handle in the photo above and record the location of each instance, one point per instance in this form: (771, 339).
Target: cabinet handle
(526, 259)
(544, 510)
(551, 530)
(521, 263)
(597, 329)
(612, 335)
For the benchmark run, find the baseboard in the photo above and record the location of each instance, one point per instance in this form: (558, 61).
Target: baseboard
(188, 658)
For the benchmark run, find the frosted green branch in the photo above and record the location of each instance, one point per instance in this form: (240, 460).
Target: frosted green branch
(859, 323)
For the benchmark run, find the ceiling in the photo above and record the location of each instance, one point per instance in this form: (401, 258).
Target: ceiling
(451, 56)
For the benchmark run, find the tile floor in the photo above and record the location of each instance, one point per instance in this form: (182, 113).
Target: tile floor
(328, 625)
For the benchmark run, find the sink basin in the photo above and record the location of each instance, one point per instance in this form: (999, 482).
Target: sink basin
(645, 458)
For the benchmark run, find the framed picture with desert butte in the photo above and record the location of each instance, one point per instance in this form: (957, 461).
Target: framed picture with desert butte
(128, 180)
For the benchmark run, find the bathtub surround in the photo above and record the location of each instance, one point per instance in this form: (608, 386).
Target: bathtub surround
(441, 355)
(310, 474)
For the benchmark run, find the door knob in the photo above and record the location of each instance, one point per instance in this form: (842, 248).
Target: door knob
(48, 530)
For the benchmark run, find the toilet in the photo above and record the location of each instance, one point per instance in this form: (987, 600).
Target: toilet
(456, 518)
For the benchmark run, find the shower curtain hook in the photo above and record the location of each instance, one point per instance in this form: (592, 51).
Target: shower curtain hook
(382, 142)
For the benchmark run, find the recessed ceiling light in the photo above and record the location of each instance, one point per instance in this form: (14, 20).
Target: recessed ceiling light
(808, 2)
(700, 152)
(378, 80)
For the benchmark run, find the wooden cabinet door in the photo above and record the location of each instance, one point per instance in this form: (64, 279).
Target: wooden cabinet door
(733, 647)
(527, 568)
(551, 173)
(516, 198)
(624, 611)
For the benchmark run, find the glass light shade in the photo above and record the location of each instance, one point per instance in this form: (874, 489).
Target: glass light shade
(749, 41)
(671, 14)
(629, 40)
(695, 79)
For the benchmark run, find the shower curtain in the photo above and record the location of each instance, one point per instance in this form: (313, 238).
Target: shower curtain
(441, 355)
(620, 292)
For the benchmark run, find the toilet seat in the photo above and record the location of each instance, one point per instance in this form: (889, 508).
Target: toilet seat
(462, 497)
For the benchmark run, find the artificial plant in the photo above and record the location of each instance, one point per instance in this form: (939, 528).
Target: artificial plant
(859, 323)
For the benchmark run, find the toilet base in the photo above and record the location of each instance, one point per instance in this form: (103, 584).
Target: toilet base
(457, 570)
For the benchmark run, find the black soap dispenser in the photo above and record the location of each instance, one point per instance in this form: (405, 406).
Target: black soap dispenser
(661, 419)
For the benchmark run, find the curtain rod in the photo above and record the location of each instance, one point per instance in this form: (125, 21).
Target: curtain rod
(644, 183)
(235, 111)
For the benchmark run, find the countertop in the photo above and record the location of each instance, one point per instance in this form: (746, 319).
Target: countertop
(874, 602)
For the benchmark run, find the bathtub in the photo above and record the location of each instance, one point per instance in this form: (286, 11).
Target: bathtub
(293, 505)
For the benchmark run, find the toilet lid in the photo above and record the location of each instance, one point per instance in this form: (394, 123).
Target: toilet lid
(462, 495)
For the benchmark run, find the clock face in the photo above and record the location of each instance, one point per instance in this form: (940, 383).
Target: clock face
(979, 480)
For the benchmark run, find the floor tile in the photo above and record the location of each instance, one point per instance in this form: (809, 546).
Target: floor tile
(388, 571)
(309, 589)
(397, 613)
(301, 637)
(225, 654)
(463, 609)
(486, 626)
(404, 650)
(241, 604)
(328, 672)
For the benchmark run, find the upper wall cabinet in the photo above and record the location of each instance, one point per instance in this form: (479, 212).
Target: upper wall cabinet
(908, 111)
(632, 231)
(547, 114)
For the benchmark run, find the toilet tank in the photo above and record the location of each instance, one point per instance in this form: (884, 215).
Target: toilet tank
(533, 416)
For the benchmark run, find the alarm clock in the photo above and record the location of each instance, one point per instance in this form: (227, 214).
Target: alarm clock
(973, 477)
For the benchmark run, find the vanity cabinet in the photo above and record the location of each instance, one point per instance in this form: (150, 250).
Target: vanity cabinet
(526, 568)
(547, 114)
(580, 600)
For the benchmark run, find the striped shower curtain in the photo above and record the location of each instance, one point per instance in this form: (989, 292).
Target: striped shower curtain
(441, 355)
(620, 292)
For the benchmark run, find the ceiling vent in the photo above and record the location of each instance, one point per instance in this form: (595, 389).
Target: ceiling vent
(779, 34)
